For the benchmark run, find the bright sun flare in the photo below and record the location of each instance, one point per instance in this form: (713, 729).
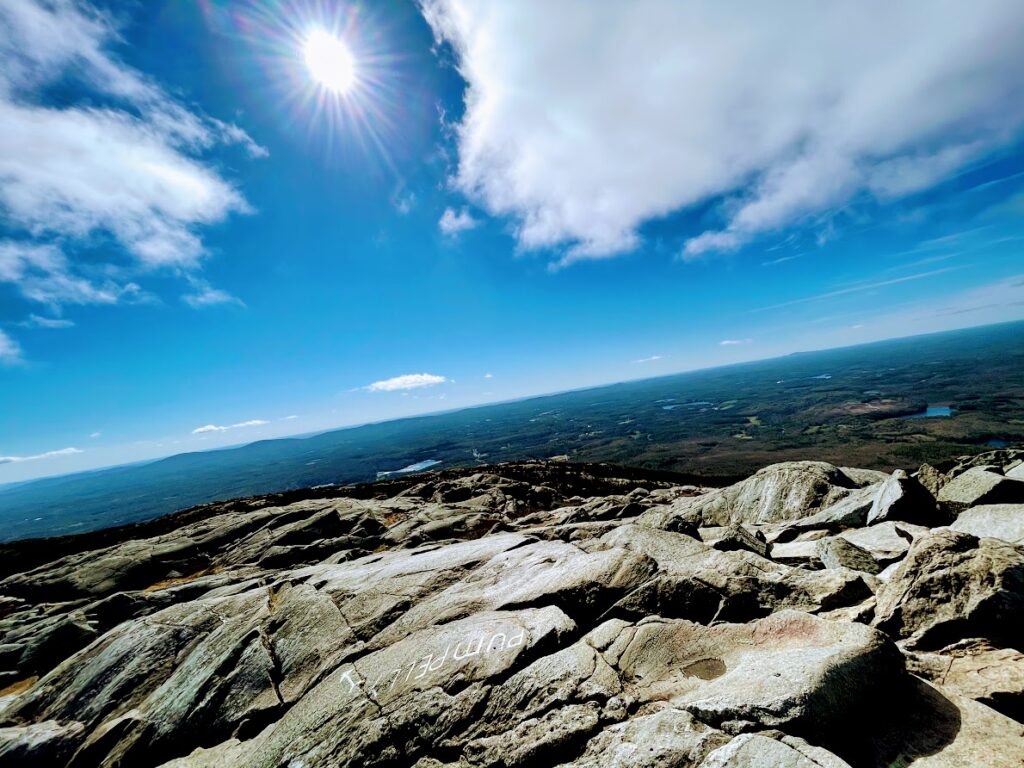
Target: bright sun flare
(329, 61)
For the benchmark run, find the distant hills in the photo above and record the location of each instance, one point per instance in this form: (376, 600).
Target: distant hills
(847, 406)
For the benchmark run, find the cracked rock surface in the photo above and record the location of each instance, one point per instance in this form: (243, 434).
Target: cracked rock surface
(534, 614)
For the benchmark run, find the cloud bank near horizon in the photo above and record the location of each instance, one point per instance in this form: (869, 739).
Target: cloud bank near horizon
(218, 428)
(38, 456)
(407, 381)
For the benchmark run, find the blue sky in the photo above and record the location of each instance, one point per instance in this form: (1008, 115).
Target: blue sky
(201, 246)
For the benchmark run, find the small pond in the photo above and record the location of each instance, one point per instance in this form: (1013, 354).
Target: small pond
(934, 412)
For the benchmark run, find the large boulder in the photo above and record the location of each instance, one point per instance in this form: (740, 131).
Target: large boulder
(787, 491)
(789, 670)
(931, 478)
(932, 727)
(736, 537)
(952, 585)
(994, 521)
(666, 738)
(751, 750)
(992, 676)
(837, 552)
(887, 542)
(700, 583)
(979, 486)
(903, 498)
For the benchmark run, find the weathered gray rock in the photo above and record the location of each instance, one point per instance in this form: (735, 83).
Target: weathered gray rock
(697, 582)
(937, 728)
(886, 542)
(667, 738)
(43, 743)
(736, 537)
(482, 620)
(789, 670)
(978, 486)
(837, 552)
(931, 478)
(953, 585)
(992, 676)
(994, 521)
(802, 552)
(851, 511)
(904, 498)
(751, 750)
(787, 491)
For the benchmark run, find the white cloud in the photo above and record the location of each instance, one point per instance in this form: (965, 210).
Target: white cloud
(239, 425)
(453, 223)
(289, 418)
(734, 342)
(10, 351)
(408, 381)
(608, 115)
(206, 295)
(122, 162)
(488, 375)
(47, 455)
(42, 273)
(37, 321)
(405, 203)
(651, 359)
(94, 435)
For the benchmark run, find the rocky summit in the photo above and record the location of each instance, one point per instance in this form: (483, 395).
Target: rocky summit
(534, 614)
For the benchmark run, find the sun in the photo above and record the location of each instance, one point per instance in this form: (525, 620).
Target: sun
(330, 62)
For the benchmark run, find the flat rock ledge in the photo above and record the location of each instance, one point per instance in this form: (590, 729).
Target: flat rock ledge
(535, 614)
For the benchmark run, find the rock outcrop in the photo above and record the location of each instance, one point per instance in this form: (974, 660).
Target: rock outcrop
(534, 614)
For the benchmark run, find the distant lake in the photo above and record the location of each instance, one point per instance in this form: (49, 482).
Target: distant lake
(934, 412)
(998, 443)
(419, 466)
(684, 405)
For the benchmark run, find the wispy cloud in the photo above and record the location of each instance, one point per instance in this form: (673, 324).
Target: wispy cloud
(292, 417)
(734, 342)
(42, 273)
(859, 288)
(488, 375)
(404, 203)
(10, 350)
(39, 456)
(782, 260)
(38, 321)
(216, 428)
(94, 435)
(453, 223)
(651, 359)
(205, 295)
(408, 381)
